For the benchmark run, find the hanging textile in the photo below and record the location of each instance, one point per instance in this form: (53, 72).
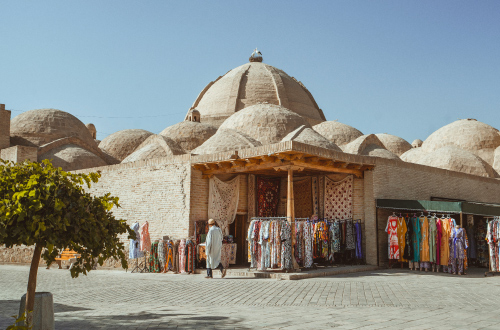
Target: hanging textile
(170, 257)
(161, 254)
(302, 195)
(432, 239)
(134, 250)
(315, 195)
(182, 256)
(223, 201)
(154, 262)
(338, 198)
(493, 239)
(250, 241)
(408, 251)
(392, 233)
(359, 243)
(350, 243)
(267, 196)
(458, 246)
(402, 238)
(308, 245)
(286, 246)
(145, 239)
(251, 196)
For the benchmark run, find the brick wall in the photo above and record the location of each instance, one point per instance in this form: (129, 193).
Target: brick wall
(4, 127)
(19, 154)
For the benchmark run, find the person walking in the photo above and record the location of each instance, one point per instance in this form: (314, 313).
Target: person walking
(214, 249)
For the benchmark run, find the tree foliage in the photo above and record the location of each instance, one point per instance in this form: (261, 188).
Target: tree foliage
(44, 205)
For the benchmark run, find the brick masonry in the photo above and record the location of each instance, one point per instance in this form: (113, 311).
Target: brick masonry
(4, 127)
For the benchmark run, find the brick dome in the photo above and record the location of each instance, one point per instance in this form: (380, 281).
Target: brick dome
(337, 133)
(226, 140)
(122, 143)
(469, 134)
(155, 146)
(307, 135)
(266, 123)
(42, 126)
(250, 84)
(394, 143)
(72, 157)
(189, 134)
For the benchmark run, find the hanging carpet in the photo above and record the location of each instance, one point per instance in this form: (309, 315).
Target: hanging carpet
(302, 195)
(223, 201)
(268, 197)
(338, 198)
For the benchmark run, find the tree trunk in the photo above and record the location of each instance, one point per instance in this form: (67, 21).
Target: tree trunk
(30, 294)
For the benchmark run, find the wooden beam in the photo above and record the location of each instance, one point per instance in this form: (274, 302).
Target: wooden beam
(212, 166)
(239, 162)
(330, 169)
(269, 159)
(225, 165)
(340, 164)
(207, 176)
(311, 159)
(199, 167)
(254, 161)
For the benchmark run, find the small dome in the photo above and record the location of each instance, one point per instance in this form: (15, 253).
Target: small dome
(417, 143)
(71, 157)
(226, 140)
(496, 162)
(266, 123)
(42, 126)
(413, 155)
(307, 135)
(122, 143)
(253, 83)
(394, 144)
(155, 146)
(469, 134)
(92, 130)
(337, 133)
(459, 160)
(189, 134)
(369, 145)
(193, 115)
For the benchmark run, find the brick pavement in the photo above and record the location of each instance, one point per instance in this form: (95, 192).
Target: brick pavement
(384, 299)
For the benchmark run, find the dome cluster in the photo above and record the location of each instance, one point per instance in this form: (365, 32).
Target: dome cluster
(252, 105)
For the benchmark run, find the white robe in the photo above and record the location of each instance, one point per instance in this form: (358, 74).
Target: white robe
(213, 247)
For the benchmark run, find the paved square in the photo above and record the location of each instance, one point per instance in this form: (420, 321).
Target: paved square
(383, 299)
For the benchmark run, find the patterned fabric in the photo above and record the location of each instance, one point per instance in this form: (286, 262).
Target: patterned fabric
(223, 201)
(315, 195)
(154, 263)
(145, 239)
(308, 246)
(302, 195)
(134, 251)
(392, 233)
(228, 254)
(267, 197)
(256, 248)
(265, 260)
(439, 233)
(169, 256)
(408, 252)
(182, 256)
(350, 243)
(161, 254)
(286, 246)
(445, 245)
(424, 244)
(251, 196)
(432, 239)
(251, 259)
(401, 238)
(338, 198)
(335, 228)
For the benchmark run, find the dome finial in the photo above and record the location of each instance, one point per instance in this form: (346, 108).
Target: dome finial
(256, 56)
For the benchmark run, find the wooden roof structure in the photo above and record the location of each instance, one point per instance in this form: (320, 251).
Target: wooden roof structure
(274, 159)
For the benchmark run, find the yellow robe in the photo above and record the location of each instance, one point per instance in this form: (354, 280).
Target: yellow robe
(424, 246)
(401, 237)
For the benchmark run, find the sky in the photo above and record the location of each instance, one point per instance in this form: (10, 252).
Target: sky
(400, 67)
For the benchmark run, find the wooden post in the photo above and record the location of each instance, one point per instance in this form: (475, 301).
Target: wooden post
(461, 221)
(290, 213)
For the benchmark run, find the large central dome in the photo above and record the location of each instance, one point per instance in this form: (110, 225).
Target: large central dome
(254, 83)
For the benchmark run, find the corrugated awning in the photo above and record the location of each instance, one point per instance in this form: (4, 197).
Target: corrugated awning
(439, 206)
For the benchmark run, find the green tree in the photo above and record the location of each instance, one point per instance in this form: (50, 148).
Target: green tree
(44, 206)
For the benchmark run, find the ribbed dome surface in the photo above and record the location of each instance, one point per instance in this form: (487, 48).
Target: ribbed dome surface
(122, 143)
(456, 159)
(369, 145)
(189, 134)
(226, 140)
(250, 84)
(71, 157)
(394, 144)
(307, 135)
(155, 146)
(41, 126)
(469, 134)
(337, 133)
(266, 123)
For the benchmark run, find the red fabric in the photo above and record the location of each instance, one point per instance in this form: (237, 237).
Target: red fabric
(268, 197)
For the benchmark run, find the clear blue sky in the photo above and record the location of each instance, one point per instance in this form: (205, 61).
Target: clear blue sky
(399, 67)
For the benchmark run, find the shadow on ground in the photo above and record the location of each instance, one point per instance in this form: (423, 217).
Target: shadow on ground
(472, 272)
(148, 320)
